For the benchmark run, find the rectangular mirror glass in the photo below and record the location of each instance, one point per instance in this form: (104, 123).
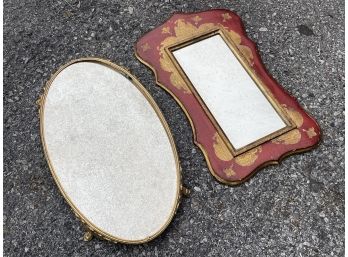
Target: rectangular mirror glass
(239, 107)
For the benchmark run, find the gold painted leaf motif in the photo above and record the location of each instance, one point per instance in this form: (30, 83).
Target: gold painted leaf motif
(290, 138)
(229, 172)
(196, 19)
(245, 50)
(220, 149)
(248, 158)
(294, 136)
(311, 132)
(294, 115)
(177, 80)
(166, 30)
(226, 16)
(145, 47)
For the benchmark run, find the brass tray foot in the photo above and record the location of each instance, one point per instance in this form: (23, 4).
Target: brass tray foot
(88, 236)
(185, 191)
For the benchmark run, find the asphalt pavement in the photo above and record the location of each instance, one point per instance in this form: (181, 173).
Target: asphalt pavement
(292, 209)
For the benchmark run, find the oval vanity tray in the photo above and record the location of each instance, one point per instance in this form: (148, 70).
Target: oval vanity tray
(110, 151)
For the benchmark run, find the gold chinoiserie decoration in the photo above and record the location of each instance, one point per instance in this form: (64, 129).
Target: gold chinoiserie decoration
(294, 115)
(310, 132)
(220, 148)
(229, 172)
(145, 47)
(196, 19)
(226, 17)
(248, 158)
(245, 50)
(166, 30)
(294, 136)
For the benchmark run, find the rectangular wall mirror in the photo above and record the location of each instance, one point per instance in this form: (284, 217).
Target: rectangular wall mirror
(241, 118)
(245, 114)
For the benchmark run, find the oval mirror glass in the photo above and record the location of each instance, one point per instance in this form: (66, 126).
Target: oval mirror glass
(110, 151)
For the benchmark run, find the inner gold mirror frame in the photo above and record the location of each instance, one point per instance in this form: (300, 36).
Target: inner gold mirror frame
(290, 124)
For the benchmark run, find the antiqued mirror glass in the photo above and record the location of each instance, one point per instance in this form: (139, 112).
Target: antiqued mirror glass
(230, 94)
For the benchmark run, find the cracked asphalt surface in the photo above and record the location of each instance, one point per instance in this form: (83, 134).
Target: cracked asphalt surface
(292, 209)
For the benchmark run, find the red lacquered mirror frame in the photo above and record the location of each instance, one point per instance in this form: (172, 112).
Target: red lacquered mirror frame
(225, 163)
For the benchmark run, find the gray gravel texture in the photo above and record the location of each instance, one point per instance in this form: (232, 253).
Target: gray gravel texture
(292, 209)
